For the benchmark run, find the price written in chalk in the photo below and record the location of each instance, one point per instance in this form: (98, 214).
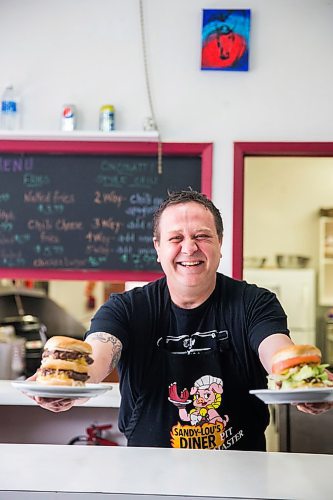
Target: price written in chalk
(49, 250)
(49, 209)
(96, 261)
(137, 260)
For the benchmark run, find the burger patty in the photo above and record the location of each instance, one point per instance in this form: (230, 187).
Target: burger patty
(82, 377)
(67, 355)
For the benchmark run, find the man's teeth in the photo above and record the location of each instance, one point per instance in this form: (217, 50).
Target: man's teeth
(189, 264)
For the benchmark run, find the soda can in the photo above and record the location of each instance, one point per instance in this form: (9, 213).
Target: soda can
(68, 118)
(106, 118)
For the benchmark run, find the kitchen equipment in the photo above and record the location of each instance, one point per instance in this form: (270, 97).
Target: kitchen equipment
(326, 212)
(34, 302)
(45, 319)
(329, 340)
(12, 353)
(254, 262)
(293, 426)
(6, 355)
(296, 290)
(292, 261)
(33, 331)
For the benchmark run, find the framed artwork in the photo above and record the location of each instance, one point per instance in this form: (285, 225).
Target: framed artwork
(225, 39)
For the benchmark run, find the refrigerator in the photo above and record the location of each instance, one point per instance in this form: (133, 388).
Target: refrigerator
(296, 290)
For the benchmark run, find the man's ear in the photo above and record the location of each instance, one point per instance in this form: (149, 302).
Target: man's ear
(156, 246)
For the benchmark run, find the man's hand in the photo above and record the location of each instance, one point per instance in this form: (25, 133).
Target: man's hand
(316, 408)
(53, 404)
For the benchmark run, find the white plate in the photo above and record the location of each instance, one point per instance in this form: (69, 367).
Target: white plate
(60, 391)
(319, 395)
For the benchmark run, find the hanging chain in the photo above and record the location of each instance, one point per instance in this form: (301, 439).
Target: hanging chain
(148, 88)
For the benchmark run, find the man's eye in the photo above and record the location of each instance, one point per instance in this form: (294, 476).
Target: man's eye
(175, 238)
(201, 236)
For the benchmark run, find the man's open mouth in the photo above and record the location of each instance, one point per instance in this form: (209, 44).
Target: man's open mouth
(190, 263)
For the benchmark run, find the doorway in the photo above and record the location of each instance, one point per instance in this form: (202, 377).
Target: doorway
(284, 155)
(244, 150)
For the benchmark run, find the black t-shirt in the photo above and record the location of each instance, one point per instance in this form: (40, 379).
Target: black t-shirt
(211, 350)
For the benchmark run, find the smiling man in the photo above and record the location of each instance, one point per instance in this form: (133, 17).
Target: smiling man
(191, 345)
(188, 246)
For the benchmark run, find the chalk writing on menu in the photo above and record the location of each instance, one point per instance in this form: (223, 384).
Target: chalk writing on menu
(61, 211)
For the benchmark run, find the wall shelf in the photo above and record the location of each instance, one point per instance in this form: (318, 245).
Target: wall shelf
(325, 261)
(80, 135)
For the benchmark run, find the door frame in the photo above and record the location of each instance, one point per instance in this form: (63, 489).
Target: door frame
(245, 149)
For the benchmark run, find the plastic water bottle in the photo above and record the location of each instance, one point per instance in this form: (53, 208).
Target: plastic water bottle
(10, 113)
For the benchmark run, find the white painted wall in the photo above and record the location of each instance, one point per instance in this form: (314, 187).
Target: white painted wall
(88, 52)
(72, 296)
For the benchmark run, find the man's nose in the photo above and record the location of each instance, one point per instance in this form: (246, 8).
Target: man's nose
(189, 246)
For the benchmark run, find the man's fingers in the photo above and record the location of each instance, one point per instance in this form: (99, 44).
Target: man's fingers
(55, 405)
(314, 408)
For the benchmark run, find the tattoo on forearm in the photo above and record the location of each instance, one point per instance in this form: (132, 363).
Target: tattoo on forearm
(115, 357)
(116, 346)
(104, 337)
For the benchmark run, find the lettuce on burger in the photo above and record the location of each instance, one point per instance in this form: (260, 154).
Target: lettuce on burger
(298, 367)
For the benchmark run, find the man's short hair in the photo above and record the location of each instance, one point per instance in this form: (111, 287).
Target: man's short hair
(186, 196)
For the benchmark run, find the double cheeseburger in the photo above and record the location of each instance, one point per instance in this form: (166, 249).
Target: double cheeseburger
(298, 367)
(65, 361)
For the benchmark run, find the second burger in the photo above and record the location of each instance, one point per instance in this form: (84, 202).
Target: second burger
(298, 367)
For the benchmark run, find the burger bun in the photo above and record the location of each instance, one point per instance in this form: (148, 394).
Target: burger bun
(295, 355)
(61, 343)
(61, 380)
(61, 364)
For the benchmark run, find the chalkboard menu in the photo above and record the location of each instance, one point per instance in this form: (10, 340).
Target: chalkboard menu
(87, 214)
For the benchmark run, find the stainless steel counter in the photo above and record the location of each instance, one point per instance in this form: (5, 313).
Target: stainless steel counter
(91, 472)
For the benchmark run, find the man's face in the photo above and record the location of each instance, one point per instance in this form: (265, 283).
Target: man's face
(188, 249)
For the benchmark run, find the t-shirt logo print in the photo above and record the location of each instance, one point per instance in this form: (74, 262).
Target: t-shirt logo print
(188, 343)
(205, 427)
